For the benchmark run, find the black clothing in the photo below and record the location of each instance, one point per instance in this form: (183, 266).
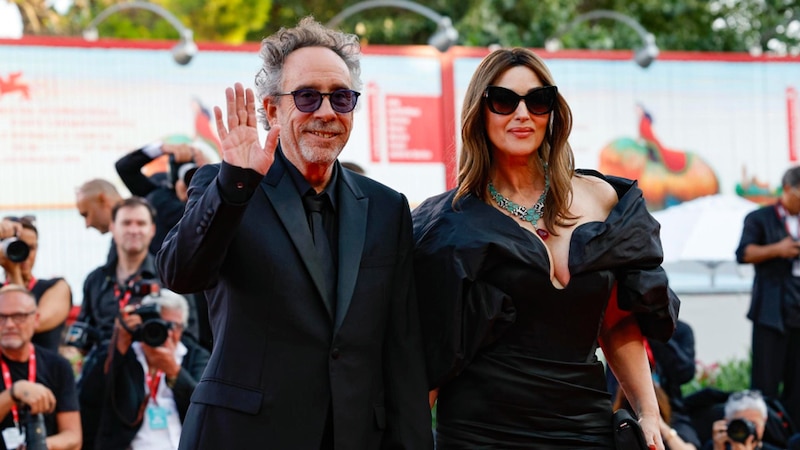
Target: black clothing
(124, 393)
(52, 371)
(774, 311)
(282, 359)
(515, 363)
(169, 208)
(50, 339)
(102, 293)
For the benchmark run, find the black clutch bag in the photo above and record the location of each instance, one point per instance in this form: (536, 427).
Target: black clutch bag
(628, 434)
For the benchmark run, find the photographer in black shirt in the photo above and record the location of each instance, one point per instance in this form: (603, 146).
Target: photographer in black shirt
(107, 290)
(35, 380)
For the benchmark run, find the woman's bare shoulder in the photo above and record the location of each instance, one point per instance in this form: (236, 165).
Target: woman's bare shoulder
(593, 193)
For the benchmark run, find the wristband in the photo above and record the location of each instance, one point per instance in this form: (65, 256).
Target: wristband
(14, 398)
(171, 381)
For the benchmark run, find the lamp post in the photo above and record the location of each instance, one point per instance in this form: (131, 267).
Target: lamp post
(183, 51)
(643, 56)
(444, 37)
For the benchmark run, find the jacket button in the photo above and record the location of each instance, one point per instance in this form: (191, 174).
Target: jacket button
(335, 353)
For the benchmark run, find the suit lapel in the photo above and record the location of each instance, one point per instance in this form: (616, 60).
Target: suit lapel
(283, 195)
(353, 206)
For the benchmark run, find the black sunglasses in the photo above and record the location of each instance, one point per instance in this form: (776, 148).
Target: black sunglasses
(504, 101)
(309, 100)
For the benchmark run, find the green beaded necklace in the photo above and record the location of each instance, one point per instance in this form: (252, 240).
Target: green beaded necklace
(532, 214)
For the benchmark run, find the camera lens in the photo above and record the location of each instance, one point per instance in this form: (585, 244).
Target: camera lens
(741, 429)
(14, 249)
(154, 333)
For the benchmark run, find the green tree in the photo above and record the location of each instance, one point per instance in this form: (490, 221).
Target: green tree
(690, 25)
(227, 21)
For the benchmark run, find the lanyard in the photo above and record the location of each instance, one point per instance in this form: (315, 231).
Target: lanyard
(31, 283)
(8, 382)
(153, 382)
(125, 297)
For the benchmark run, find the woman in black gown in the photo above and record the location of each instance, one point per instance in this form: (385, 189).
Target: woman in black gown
(515, 300)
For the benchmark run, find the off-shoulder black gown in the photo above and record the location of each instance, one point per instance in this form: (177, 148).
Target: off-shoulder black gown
(512, 355)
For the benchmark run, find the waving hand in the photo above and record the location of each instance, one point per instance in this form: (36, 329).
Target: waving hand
(240, 146)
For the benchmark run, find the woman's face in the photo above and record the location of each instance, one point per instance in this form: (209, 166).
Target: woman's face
(520, 133)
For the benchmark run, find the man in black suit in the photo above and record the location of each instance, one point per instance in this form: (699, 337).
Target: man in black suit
(770, 242)
(316, 335)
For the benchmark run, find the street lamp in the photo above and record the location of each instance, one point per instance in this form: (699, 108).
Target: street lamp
(643, 56)
(183, 51)
(445, 36)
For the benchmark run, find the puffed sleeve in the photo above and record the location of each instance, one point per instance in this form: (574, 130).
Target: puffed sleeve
(628, 243)
(460, 314)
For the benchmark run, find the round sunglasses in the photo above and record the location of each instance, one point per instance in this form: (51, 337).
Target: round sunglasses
(309, 100)
(504, 101)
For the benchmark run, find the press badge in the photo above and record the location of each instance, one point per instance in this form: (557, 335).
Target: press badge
(156, 417)
(13, 438)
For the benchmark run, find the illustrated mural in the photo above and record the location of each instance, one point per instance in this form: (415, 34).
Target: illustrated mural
(666, 176)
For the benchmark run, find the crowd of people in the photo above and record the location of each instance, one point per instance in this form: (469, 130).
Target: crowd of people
(278, 299)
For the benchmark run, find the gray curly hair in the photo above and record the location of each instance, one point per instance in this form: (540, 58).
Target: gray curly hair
(308, 33)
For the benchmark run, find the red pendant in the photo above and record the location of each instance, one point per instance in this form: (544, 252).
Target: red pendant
(544, 234)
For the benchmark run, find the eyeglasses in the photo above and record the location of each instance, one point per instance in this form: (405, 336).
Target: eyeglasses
(504, 101)
(18, 318)
(309, 100)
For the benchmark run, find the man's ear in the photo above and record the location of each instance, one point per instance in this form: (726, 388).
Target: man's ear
(271, 109)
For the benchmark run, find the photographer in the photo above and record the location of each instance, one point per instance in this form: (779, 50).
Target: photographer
(170, 200)
(108, 289)
(150, 376)
(35, 380)
(53, 296)
(743, 425)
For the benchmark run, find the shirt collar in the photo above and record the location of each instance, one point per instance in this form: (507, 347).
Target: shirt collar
(303, 186)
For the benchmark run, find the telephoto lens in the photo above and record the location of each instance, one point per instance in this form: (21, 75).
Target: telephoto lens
(741, 429)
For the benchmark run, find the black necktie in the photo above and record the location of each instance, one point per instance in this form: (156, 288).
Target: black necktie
(314, 206)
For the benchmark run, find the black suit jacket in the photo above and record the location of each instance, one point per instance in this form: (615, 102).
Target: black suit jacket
(772, 277)
(280, 358)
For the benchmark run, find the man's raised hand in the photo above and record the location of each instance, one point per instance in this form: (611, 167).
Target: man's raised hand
(240, 146)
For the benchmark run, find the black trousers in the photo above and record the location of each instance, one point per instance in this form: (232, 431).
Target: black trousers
(776, 360)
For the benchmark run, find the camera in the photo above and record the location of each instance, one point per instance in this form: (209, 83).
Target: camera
(154, 330)
(14, 249)
(741, 429)
(82, 336)
(145, 287)
(35, 430)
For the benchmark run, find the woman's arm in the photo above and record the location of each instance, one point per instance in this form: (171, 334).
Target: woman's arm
(621, 341)
(54, 306)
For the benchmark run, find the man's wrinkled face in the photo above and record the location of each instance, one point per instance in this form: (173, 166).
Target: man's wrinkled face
(18, 319)
(317, 137)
